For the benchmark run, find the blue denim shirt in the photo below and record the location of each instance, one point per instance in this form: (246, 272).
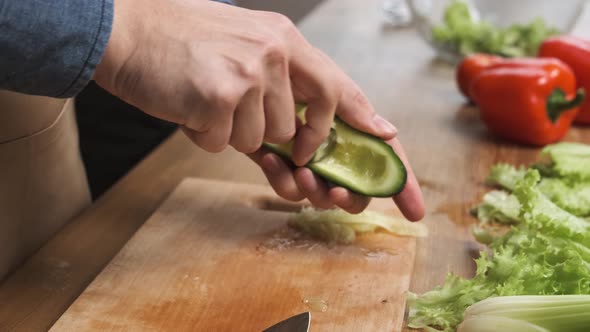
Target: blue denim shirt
(52, 47)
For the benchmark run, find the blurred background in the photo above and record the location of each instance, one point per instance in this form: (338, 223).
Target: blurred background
(295, 10)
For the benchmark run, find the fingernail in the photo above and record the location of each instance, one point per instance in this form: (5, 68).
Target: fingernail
(271, 164)
(384, 126)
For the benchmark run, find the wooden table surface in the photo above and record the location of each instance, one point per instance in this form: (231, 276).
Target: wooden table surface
(447, 145)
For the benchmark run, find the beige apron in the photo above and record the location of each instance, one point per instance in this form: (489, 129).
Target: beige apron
(42, 179)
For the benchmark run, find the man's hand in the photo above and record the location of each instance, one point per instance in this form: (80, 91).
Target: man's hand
(230, 76)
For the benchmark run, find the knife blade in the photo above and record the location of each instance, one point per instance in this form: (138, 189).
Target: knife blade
(297, 323)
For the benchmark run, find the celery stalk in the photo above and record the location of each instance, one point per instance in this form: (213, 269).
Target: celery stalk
(535, 313)
(495, 324)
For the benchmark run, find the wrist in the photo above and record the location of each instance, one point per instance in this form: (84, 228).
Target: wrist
(120, 46)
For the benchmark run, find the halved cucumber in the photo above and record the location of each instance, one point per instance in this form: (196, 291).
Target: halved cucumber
(355, 160)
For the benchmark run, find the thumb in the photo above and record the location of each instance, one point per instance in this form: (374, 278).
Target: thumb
(355, 109)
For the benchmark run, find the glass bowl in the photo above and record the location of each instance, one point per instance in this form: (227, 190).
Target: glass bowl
(427, 14)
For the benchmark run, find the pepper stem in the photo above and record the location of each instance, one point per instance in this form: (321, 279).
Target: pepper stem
(557, 102)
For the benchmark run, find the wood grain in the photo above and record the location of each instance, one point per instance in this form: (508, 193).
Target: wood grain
(219, 256)
(43, 288)
(449, 148)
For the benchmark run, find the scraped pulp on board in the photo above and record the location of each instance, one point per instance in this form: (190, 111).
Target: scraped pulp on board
(336, 225)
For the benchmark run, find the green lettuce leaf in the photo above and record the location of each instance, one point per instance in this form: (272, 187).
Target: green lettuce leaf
(442, 308)
(539, 211)
(570, 160)
(505, 176)
(547, 253)
(464, 34)
(572, 196)
(498, 206)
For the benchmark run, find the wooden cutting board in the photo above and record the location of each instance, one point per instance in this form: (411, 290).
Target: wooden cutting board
(219, 256)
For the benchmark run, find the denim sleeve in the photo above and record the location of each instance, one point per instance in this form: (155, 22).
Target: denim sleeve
(52, 47)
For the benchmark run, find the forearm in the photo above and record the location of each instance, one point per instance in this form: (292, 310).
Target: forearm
(52, 48)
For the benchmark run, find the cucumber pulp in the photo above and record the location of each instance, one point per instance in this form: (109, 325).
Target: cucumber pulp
(357, 161)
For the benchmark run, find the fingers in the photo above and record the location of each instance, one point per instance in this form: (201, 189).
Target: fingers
(349, 201)
(248, 129)
(279, 105)
(355, 108)
(214, 139)
(313, 188)
(319, 117)
(314, 80)
(410, 200)
(328, 91)
(278, 174)
(302, 183)
(209, 122)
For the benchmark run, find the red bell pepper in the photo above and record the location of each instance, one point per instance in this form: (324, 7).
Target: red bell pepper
(576, 53)
(470, 67)
(531, 101)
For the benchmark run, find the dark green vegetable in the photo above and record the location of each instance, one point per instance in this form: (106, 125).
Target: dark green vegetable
(355, 160)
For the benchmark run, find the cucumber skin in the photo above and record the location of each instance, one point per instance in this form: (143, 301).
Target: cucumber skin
(331, 178)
